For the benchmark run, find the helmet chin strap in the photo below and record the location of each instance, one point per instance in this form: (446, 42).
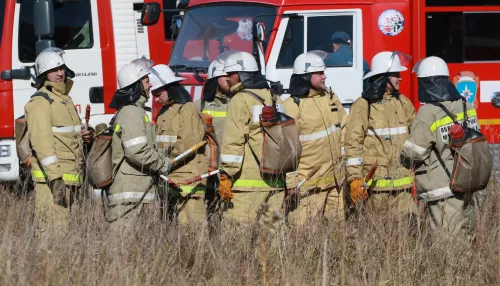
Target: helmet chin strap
(395, 92)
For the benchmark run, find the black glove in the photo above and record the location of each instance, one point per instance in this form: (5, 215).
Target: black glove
(58, 190)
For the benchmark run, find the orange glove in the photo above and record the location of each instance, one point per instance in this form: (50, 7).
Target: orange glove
(225, 187)
(357, 193)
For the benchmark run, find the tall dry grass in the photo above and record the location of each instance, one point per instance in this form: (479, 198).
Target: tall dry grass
(367, 251)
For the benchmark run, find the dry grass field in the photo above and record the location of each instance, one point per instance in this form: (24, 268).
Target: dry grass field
(363, 251)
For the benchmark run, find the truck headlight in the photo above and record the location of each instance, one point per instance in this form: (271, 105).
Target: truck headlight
(4, 150)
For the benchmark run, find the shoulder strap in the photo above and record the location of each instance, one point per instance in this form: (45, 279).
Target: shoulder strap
(441, 161)
(44, 95)
(296, 100)
(451, 115)
(256, 96)
(465, 110)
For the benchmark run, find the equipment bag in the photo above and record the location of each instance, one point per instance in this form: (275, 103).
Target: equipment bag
(99, 160)
(212, 151)
(23, 146)
(281, 147)
(471, 155)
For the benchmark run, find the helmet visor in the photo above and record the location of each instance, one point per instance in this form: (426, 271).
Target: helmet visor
(403, 59)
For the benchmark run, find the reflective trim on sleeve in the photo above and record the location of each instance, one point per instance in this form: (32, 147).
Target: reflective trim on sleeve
(354, 162)
(215, 114)
(135, 141)
(318, 135)
(436, 194)
(76, 128)
(392, 183)
(131, 196)
(415, 148)
(166, 138)
(447, 120)
(231, 158)
(388, 131)
(49, 160)
(117, 128)
(192, 189)
(146, 118)
(258, 183)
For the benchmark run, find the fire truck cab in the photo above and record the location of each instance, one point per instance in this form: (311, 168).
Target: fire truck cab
(98, 38)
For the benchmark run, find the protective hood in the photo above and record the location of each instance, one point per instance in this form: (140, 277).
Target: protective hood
(253, 80)
(375, 87)
(127, 95)
(300, 84)
(210, 89)
(178, 94)
(437, 89)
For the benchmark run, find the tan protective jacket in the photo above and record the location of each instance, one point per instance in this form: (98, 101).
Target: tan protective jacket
(430, 131)
(321, 121)
(243, 123)
(179, 128)
(218, 109)
(135, 157)
(376, 133)
(55, 135)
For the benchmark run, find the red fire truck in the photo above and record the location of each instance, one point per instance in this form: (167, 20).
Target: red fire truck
(98, 36)
(465, 33)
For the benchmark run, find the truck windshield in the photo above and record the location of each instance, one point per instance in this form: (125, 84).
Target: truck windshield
(209, 30)
(2, 12)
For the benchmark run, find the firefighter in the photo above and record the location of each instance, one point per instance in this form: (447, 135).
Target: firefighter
(449, 211)
(378, 125)
(240, 178)
(136, 161)
(216, 97)
(56, 139)
(179, 127)
(321, 120)
(342, 52)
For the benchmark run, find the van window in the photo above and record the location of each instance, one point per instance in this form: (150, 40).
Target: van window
(293, 43)
(73, 28)
(332, 34)
(459, 37)
(2, 12)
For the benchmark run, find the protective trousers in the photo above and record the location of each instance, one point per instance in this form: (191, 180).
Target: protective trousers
(52, 220)
(247, 204)
(312, 206)
(124, 227)
(452, 216)
(392, 203)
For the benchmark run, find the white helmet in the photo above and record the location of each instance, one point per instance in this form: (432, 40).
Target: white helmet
(216, 69)
(48, 59)
(240, 62)
(385, 62)
(431, 66)
(134, 71)
(162, 75)
(308, 63)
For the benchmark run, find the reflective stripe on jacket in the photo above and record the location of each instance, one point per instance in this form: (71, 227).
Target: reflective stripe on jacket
(321, 120)
(55, 135)
(431, 128)
(376, 133)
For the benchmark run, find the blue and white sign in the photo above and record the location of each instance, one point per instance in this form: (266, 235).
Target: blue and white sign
(467, 87)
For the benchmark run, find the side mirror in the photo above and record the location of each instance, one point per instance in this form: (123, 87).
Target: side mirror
(176, 24)
(96, 94)
(150, 13)
(260, 32)
(41, 45)
(43, 18)
(495, 99)
(22, 73)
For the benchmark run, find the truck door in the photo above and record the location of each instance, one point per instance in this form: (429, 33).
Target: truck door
(312, 30)
(77, 33)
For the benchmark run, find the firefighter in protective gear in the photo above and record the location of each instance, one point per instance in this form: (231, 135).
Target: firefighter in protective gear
(215, 100)
(56, 140)
(449, 211)
(180, 126)
(378, 125)
(136, 161)
(240, 180)
(321, 119)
